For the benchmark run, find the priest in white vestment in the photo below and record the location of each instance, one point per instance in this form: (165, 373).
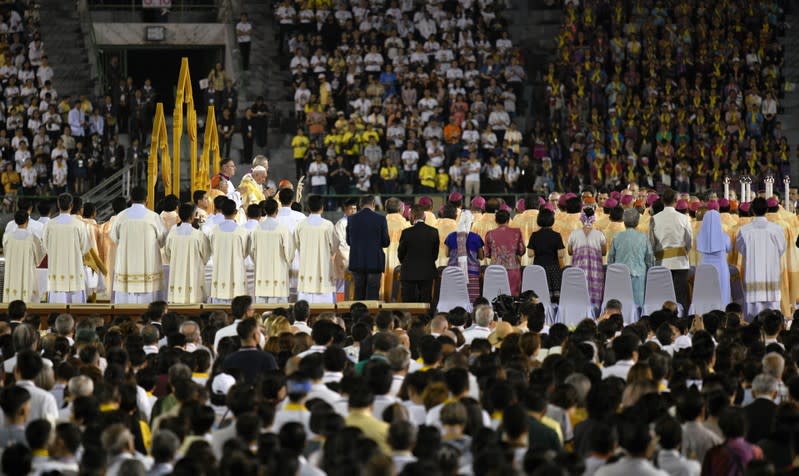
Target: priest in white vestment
(216, 218)
(254, 216)
(341, 261)
(23, 252)
(230, 245)
(762, 245)
(66, 240)
(139, 234)
(272, 252)
(290, 218)
(187, 250)
(317, 243)
(35, 227)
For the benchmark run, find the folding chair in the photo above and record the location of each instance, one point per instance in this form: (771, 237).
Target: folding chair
(495, 282)
(454, 290)
(707, 290)
(534, 278)
(575, 301)
(659, 289)
(619, 286)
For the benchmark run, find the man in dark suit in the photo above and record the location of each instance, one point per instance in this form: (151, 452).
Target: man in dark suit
(417, 253)
(762, 411)
(367, 235)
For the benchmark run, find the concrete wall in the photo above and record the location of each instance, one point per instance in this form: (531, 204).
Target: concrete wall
(133, 34)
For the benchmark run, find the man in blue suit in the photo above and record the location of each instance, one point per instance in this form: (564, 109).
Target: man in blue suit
(367, 235)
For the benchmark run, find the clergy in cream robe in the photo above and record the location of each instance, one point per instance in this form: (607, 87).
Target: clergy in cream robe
(23, 251)
(316, 243)
(272, 252)
(526, 221)
(396, 223)
(230, 245)
(187, 250)
(290, 218)
(66, 240)
(761, 244)
(139, 234)
(446, 225)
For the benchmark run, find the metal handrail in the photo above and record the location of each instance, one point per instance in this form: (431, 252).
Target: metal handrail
(116, 185)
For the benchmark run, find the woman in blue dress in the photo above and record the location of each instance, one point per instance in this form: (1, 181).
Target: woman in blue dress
(713, 245)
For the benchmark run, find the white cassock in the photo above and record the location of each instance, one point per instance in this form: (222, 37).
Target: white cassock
(249, 265)
(316, 243)
(186, 250)
(762, 244)
(23, 251)
(66, 240)
(35, 227)
(138, 271)
(230, 245)
(343, 251)
(272, 252)
(291, 218)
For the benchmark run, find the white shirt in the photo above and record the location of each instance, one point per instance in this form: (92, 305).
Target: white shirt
(43, 404)
(619, 369)
(320, 391)
(628, 466)
(244, 29)
(475, 332)
(671, 229)
(675, 464)
(318, 173)
(34, 227)
(472, 171)
(227, 331)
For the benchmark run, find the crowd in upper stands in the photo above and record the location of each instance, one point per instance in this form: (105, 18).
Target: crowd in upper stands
(664, 94)
(397, 95)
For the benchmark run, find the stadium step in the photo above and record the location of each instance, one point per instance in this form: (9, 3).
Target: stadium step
(64, 44)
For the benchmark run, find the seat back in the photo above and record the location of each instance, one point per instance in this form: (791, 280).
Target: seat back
(707, 290)
(659, 289)
(534, 278)
(495, 282)
(619, 286)
(575, 301)
(454, 290)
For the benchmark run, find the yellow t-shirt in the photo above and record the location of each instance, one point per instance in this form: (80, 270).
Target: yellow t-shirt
(300, 146)
(427, 176)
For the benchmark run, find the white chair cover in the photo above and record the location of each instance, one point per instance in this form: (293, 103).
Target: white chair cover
(495, 282)
(659, 289)
(619, 286)
(707, 290)
(575, 302)
(454, 291)
(534, 278)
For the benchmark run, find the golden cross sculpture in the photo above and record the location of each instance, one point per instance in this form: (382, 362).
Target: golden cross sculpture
(170, 170)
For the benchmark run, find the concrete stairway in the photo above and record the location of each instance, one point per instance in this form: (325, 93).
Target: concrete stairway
(790, 102)
(64, 45)
(534, 29)
(269, 77)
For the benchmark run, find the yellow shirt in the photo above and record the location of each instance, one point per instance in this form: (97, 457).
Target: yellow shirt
(427, 176)
(300, 146)
(442, 182)
(371, 427)
(389, 173)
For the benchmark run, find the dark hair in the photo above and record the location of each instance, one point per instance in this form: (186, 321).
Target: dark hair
(186, 212)
(169, 204)
(366, 200)
(449, 211)
(17, 459)
(245, 328)
(240, 305)
(270, 206)
(759, 206)
(634, 436)
(38, 434)
(732, 422)
(70, 436)
(29, 364)
(301, 311)
(12, 399)
(669, 433)
(361, 395)
(198, 195)
(285, 196)
(65, 202)
(545, 218)
(316, 203)
(323, 332)
(624, 346)
(502, 217)
(20, 217)
(138, 194)
(228, 207)
(668, 197)
(254, 211)
(44, 207)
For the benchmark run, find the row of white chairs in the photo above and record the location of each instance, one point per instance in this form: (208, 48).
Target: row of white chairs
(575, 301)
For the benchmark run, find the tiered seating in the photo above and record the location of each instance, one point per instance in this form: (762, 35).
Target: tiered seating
(680, 94)
(402, 87)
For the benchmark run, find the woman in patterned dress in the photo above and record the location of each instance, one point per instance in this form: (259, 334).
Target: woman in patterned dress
(587, 246)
